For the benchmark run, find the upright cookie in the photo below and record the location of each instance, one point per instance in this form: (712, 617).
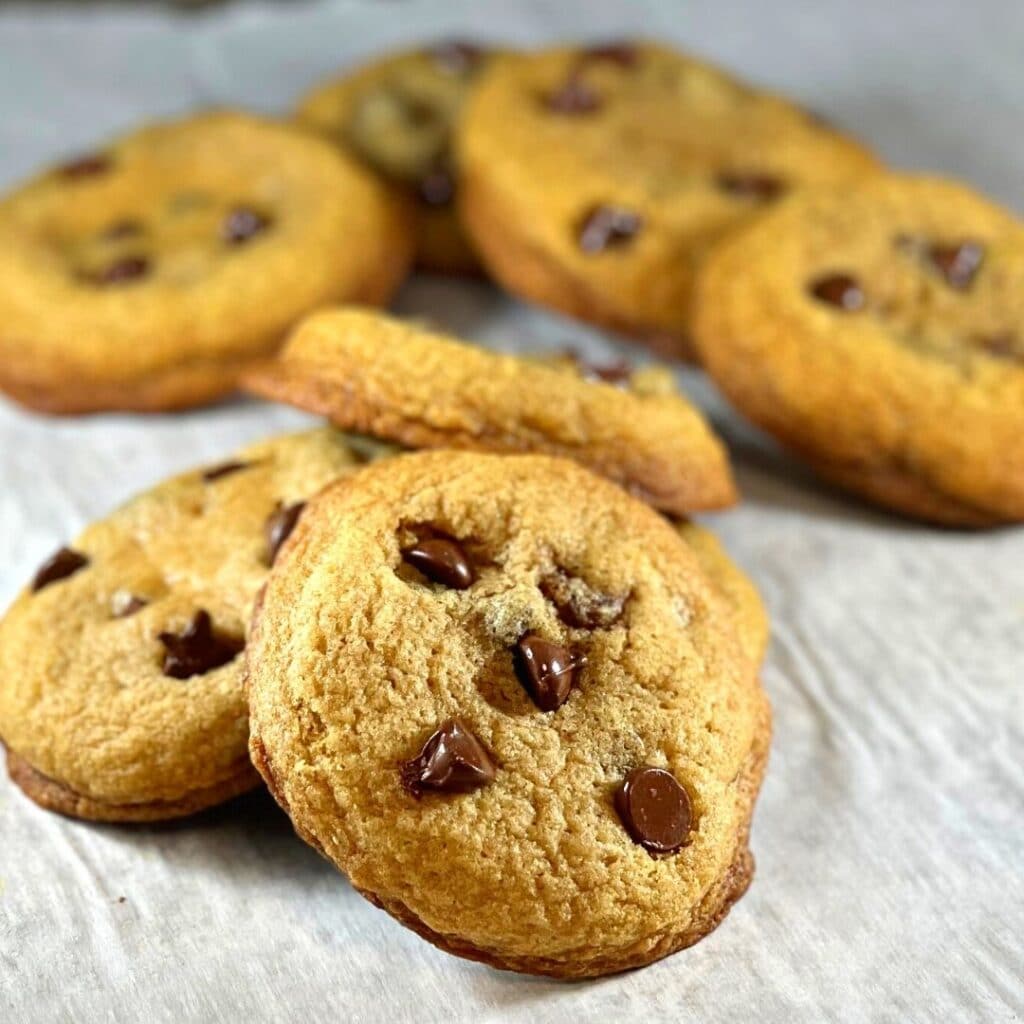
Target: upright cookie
(379, 376)
(120, 664)
(396, 114)
(878, 331)
(503, 697)
(147, 274)
(595, 180)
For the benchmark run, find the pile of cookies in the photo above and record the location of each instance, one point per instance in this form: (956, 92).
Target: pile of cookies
(465, 633)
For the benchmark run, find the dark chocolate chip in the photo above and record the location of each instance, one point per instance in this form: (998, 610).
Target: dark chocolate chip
(89, 166)
(958, 263)
(456, 56)
(655, 809)
(441, 560)
(437, 188)
(197, 649)
(573, 98)
(547, 670)
(122, 271)
(280, 525)
(621, 53)
(608, 227)
(243, 223)
(125, 604)
(749, 185)
(126, 228)
(579, 605)
(452, 760)
(58, 566)
(224, 469)
(839, 290)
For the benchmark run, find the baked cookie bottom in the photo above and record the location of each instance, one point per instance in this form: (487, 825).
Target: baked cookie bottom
(55, 796)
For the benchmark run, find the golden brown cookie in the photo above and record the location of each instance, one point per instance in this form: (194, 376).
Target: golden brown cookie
(396, 114)
(595, 180)
(377, 375)
(504, 698)
(878, 331)
(146, 275)
(120, 664)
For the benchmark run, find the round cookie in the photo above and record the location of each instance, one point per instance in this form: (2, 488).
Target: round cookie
(594, 181)
(502, 696)
(380, 376)
(146, 275)
(396, 114)
(121, 693)
(878, 331)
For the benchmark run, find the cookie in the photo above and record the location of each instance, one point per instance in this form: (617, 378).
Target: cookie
(502, 696)
(121, 692)
(146, 275)
(396, 114)
(878, 332)
(398, 381)
(595, 180)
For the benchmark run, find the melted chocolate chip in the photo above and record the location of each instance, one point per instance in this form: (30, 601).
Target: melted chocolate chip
(441, 560)
(655, 809)
(1001, 346)
(124, 604)
(452, 760)
(223, 470)
(958, 263)
(437, 188)
(89, 166)
(121, 271)
(280, 525)
(621, 53)
(547, 670)
(579, 605)
(197, 649)
(243, 223)
(573, 98)
(455, 56)
(126, 228)
(750, 185)
(608, 227)
(840, 290)
(58, 566)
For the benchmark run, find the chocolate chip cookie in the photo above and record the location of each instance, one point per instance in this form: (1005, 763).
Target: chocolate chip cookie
(504, 698)
(595, 180)
(120, 664)
(396, 114)
(878, 331)
(380, 376)
(145, 275)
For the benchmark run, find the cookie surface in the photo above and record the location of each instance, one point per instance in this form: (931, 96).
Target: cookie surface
(423, 613)
(146, 275)
(120, 665)
(380, 376)
(878, 331)
(396, 114)
(594, 181)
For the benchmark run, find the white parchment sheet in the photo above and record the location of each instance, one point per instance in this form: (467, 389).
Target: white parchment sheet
(890, 834)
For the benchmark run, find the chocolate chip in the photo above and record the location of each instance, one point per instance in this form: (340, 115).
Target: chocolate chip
(607, 227)
(621, 53)
(579, 605)
(655, 809)
(749, 185)
(126, 228)
(58, 566)
(88, 166)
(1001, 346)
(456, 56)
(197, 649)
(125, 604)
(437, 188)
(574, 97)
(452, 760)
(121, 271)
(243, 223)
(280, 525)
(224, 469)
(840, 290)
(441, 560)
(958, 263)
(547, 670)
